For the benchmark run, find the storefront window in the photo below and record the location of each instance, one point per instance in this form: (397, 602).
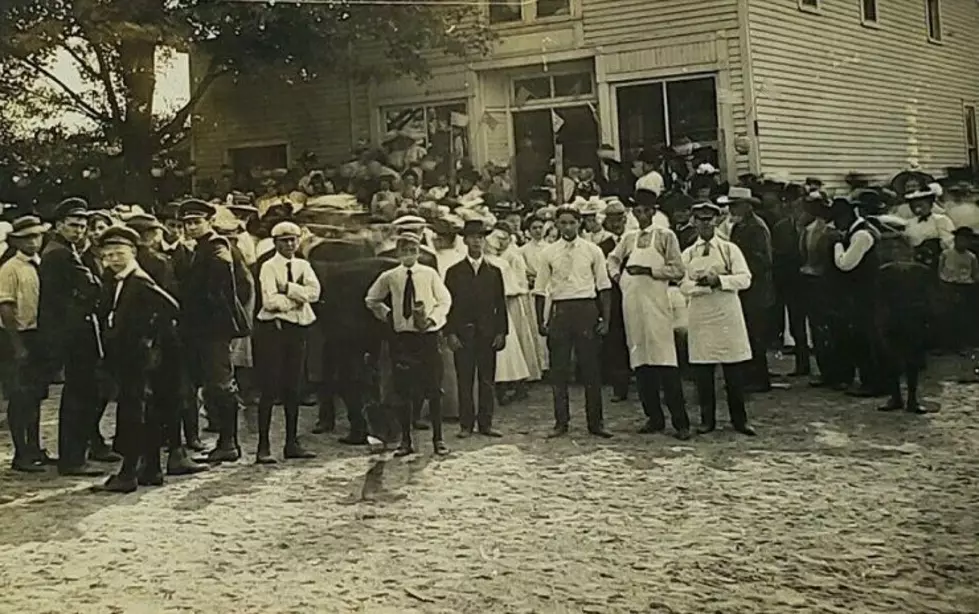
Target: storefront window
(245, 161)
(505, 11)
(535, 136)
(680, 114)
(553, 8)
(431, 137)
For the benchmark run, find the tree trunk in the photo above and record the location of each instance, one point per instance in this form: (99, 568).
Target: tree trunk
(138, 148)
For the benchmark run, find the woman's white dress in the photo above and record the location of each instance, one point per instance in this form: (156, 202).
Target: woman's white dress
(717, 333)
(520, 310)
(510, 363)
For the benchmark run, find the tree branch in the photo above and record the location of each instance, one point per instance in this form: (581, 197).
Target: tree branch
(84, 106)
(176, 123)
(106, 76)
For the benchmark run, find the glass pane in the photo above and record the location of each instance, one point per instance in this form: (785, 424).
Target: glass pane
(552, 8)
(534, 139)
(693, 111)
(579, 136)
(448, 138)
(428, 137)
(525, 90)
(974, 159)
(504, 11)
(934, 19)
(572, 85)
(870, 10)
(642, 122)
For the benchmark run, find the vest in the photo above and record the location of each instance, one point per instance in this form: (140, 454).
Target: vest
(862, 280)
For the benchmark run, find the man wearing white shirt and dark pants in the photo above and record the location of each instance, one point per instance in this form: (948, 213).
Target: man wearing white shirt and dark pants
(572, 276)
(419, 307)
(289, 287)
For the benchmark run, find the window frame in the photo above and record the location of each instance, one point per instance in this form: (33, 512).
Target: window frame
(528, 14)
(591, 96)
(805, 7)
(932, 38)
(870, 23)
(972, 135)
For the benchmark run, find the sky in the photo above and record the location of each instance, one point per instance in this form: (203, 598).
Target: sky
(172, 84)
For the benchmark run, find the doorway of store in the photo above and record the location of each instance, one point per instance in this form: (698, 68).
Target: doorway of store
(536, 133)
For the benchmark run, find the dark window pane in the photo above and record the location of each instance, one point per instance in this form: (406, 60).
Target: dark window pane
(572, 85)
(970, 126)
(692, 110)
(579, 136)
(870, 10)
(642, 123)
(246, 160)
(525, 90)
(552, 8)
(810, 3)
(934, 19)
(504, 11)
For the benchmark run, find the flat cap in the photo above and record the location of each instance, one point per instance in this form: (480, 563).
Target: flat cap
(141, 222)
(195, 208)
(119, 235)
(71, 207)
(286, 229)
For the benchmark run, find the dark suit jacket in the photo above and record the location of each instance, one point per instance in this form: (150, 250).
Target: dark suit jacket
(478, 301)
(69, 293)
(210, 306)
(752, 236)
(159, 266)
(143, 322)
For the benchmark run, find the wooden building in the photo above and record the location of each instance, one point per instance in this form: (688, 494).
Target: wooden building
(798, 87)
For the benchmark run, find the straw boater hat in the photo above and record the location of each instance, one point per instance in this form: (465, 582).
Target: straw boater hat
(27, 226)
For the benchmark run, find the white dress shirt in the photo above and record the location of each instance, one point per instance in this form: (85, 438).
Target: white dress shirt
(572, 270)
(935, 226)
(849, 258)
(475, 264)
(284, 300)
(430, 290)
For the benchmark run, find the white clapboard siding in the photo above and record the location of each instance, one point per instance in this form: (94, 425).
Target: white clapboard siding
(834, 95)
(671, 24)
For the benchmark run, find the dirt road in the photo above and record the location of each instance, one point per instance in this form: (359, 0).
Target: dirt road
(835, 508)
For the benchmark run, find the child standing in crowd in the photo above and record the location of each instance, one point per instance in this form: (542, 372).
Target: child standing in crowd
(958, 270)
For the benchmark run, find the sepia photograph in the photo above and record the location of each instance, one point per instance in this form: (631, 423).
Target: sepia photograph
(489, 306)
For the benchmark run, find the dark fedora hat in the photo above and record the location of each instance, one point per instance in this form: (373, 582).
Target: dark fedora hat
(474, 228)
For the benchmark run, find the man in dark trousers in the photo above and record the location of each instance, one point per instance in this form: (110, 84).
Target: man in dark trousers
(139, 320)
(477, 328)
(215, 290)
(857, 264)
(419, 306)
(615, 352)
(66, 316)
(22, 364)
(574, 278)
(754, 239)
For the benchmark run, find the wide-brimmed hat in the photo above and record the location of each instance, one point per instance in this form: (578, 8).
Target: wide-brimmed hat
(27, 226)
(448, 225)
(965, 231)
(925, 194)
(738, 195)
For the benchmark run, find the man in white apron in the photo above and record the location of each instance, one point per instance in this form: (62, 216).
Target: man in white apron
(643, 264)
(715, 272)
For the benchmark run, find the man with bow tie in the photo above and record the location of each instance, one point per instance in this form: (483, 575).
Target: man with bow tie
(139, 319)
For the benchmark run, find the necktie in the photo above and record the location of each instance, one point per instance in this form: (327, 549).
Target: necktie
(408, 305)
(706, 249)
(289, 278)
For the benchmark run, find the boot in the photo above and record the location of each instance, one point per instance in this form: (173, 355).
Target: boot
(178, 463)
(118, 484)
(226, 450)
(293, 449)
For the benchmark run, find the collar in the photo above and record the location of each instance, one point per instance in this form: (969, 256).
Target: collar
(126, 272)
(712, 242)
(169, 247)
(856, 222)
(572, 243)
(476, 263)
(279, 257)
(35, 259)
(925, 218)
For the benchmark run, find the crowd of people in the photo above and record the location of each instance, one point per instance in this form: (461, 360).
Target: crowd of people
(447, 304)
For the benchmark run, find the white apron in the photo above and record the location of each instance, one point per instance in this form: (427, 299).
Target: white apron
(717, 333)
(647, 310)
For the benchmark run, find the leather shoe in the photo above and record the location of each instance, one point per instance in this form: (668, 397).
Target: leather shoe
(490, 433)
(178, 463)
(601, 433)
(264, 457)
(746, 429)
(892, 405)
(465, 434)
(46, 459)
(354, 440)
(440, 448)
(558, 431)
(403, 450)
(421, 425)
(223, 455)
(321, 428)
(703, 429)
(196, 445)
(651, 427)
(103, 454)
(683, 434)
(296, 451)
(150, 479)
(117, 484)
(83, 471)
(27, 466)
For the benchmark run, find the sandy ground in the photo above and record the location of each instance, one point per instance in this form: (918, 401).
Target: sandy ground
(835, 508)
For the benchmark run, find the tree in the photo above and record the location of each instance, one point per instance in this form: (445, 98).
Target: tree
(114, 45)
